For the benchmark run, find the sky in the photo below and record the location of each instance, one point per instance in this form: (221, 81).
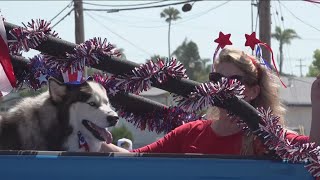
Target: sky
(142, 33)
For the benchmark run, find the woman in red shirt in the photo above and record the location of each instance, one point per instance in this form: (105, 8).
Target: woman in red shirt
(221, 135)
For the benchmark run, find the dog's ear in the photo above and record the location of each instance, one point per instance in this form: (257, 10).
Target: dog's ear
(56, 89)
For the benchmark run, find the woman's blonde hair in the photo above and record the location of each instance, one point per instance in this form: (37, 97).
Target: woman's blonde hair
(254, 74)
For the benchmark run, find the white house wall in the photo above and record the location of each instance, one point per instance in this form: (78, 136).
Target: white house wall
(299, 115)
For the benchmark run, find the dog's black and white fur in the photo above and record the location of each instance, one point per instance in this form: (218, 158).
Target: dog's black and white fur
(51, 120)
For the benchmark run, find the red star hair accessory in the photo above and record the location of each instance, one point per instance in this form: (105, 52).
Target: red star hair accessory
(222, 40)
(252, 41)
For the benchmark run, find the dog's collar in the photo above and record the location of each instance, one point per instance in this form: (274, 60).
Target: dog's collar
(82, 142)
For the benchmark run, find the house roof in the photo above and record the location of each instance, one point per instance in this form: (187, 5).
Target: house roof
(154, 92)
(12, 95)
(298, 90)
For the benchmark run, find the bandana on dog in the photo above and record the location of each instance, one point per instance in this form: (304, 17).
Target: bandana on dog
(82, 142)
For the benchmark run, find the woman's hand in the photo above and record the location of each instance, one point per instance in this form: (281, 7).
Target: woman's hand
(106, 148)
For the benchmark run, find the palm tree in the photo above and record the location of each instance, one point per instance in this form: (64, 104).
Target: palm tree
(170, 14)
(284, 37)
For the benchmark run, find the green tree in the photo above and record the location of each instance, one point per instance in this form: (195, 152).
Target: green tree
(203, 75)
(284, 37)
(314, 68)
(121, 50)
(170, 14)
(121, 132)
(123, 56)
(188, 54)
(91, 71)
(155, 57)
(27, 92)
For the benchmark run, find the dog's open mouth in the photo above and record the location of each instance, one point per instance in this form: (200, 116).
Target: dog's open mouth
(98, 132)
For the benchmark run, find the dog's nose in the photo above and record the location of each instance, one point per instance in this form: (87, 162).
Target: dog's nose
(112, 120)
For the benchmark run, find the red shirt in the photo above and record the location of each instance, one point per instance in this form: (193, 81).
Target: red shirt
(198, 137)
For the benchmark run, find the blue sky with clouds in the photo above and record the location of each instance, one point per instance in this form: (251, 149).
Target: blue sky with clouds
(142, 33)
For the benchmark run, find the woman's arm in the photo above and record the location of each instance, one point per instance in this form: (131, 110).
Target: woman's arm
(170, 143)
(106, 148)
(315, 101)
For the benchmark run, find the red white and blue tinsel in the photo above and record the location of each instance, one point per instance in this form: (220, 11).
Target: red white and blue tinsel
(30, 36)
(274, 138)
(160, 121)
(36, 74)
(140, 78)
(211, 94)
(84, 54)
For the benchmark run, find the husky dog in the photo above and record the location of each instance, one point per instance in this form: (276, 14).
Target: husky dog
(67, 117)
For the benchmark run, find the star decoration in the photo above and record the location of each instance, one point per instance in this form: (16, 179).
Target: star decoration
(223, 40)
(251, 40)
(42, 78)
(113, 92)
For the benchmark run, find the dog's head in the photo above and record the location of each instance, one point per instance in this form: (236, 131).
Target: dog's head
(86, 106)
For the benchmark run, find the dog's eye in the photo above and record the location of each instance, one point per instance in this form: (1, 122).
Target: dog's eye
(92, 104)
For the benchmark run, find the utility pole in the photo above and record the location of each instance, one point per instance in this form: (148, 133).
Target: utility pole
(265, 27)
(79, 25)
(300, 66)
(78, 18)
(252, 20)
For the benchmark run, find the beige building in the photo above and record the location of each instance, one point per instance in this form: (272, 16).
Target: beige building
(297, 99)
(142, 138)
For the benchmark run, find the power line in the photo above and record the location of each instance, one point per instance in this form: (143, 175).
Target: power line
(149, 54)
(274, 13)
(68, 6)
(282, 19)
(175, 23)
(286, 52)
(309, 39)
(316, 3)
(63, 18)
(313, 1)
(127, 23)
(141, 4)
(203, 13)
(258, 11)
(142, 18)
(299, 18)
(300, 66)
(137, 8)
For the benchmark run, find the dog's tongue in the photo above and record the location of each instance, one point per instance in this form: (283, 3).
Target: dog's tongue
(103, 132)
(107, 136)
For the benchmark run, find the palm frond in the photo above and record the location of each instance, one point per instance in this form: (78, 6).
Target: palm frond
(171, 14)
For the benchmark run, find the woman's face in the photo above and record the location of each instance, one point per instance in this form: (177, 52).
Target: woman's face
(229, 70)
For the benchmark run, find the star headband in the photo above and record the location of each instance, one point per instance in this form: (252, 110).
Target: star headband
(252, 41)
